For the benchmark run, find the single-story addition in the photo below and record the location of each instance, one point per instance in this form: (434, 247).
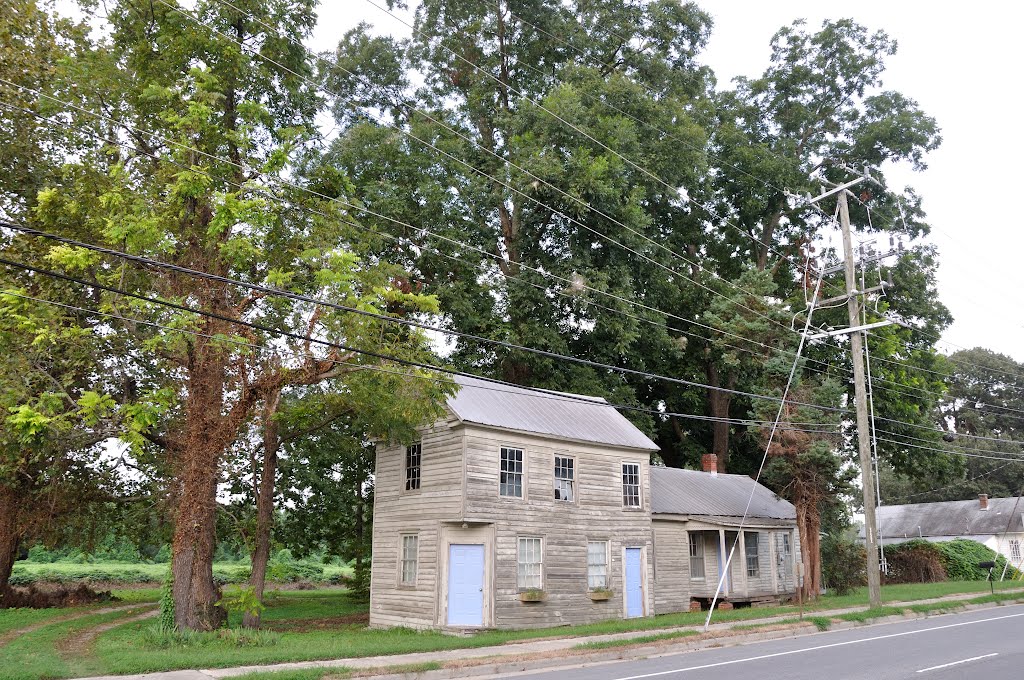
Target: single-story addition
(996, 522)
(697, 519)
(524, 508)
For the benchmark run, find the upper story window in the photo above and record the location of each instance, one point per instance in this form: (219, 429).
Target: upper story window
(529, 563)
(631, 485)
(597, 564)
(511, 476)
(750, 544)
(696, 555)
(565, 479)
(413, 459)
(410, 555)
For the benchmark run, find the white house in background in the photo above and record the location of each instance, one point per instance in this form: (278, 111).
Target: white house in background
(527, 509)
(996, 522)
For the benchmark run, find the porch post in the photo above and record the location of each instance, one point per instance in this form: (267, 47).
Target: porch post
(772, 537)
(741, 539)
(723, 562)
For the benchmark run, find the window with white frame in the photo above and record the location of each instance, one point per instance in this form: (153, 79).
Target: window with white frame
(696, 555)
(750, 541)
(529, 563)
(1015, 550)
(631, 485)
(597, 564)
(410, 550)
(511, 476)
(413, 460)
(565, 479)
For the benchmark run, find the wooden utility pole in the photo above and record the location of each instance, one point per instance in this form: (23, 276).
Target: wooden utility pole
(860, 401)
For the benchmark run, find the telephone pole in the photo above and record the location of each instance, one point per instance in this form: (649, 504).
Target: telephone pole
(855, 331)
(860, 401)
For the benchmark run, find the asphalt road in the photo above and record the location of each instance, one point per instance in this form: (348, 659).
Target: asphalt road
(985, 644)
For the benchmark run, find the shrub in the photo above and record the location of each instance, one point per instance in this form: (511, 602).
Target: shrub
(915, 561)
(842, 565)
(920, 561)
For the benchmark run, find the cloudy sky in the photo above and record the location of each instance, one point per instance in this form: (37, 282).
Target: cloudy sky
(960, 66)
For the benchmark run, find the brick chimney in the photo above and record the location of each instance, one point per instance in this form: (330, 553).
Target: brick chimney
(983, 501)
(709, 462)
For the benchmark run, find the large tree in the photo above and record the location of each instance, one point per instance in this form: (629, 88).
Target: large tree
(210, 131)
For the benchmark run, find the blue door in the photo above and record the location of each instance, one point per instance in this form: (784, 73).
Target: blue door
(466, 585)
(634, 583)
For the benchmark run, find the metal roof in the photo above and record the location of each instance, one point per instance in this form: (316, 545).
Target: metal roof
(950, 518)
(691, 492)
(555, 414)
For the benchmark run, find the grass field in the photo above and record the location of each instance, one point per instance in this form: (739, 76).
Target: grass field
(125, 572)
(318, 624)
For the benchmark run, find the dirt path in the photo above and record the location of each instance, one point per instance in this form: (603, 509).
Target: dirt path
(77, 645)
(18, 632)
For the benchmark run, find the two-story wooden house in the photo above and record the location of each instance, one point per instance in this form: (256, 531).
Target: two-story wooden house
(517, 493)
(526, 508)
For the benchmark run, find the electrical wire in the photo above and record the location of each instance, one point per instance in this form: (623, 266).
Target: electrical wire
(267, 290)
(493, 385)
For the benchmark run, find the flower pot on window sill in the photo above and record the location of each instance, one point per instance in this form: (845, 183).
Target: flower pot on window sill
(600, 594)
(532, 596)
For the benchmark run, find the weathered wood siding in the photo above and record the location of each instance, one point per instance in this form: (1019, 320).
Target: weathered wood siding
(596, 514)
(398, 512)
(671, 567)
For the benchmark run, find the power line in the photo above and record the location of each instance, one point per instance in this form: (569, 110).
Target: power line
(955, 453)
(267, 290)
(569, 282)
(546, 394)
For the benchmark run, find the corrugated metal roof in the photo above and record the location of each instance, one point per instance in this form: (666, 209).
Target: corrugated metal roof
(557, 414)
(950, 518)
(691, 492)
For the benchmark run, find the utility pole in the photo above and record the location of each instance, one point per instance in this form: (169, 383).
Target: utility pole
(860, 401)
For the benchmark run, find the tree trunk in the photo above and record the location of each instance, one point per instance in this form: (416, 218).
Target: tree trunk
(195, 532)
(808, 522)
(718, 407)
(9, 540)
(264, 505)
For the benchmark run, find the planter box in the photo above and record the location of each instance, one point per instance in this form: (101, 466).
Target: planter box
(600, 595)
(532, 596)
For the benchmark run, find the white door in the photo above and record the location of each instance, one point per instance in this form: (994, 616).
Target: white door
(466, 585)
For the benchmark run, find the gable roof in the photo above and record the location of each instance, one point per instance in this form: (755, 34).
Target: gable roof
(950, 518)
(692, 492)
(555, 414)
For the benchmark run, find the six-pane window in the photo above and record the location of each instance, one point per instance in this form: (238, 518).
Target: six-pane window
(529, 558)
(696, 555)
(750, 544)
(631, 485)
(597, 564)
(1015, 550)
(565, 479)
(511, 479)
(413, 458)
(410, 546)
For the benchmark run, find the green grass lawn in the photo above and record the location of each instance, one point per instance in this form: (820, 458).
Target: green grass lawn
(132, 572)
(323, 624)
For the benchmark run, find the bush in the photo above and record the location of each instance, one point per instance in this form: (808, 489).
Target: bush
(915, 561)
(842, 565)
(920, 561)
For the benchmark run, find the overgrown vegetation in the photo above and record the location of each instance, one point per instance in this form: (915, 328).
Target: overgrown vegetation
(920, 561)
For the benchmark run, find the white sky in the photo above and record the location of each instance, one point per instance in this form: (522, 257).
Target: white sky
(960, 65)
